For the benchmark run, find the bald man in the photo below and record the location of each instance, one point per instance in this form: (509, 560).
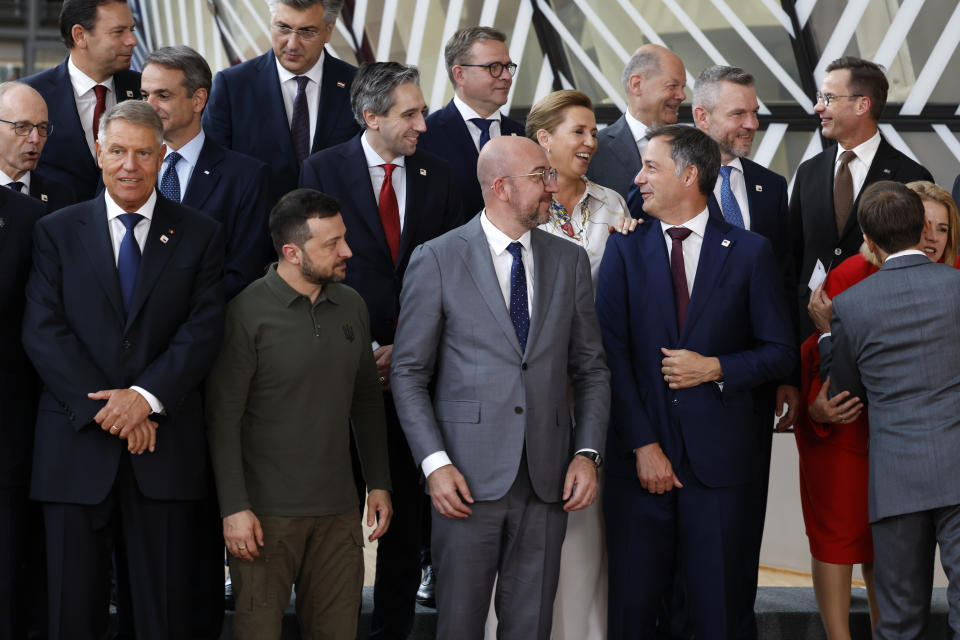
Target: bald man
(653, 81)
(479, 376)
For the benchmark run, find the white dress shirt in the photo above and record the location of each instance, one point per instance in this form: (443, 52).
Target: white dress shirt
(25, 179)
(86, 99)
(467, 112)
(140, 231)
(739, 188)
(691, 245)
(189, 155)
(639, 131)
(377, 173)
(859, 166)
(288, 87)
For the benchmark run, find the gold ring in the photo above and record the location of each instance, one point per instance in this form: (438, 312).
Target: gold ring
(114, 429)
(382, 380)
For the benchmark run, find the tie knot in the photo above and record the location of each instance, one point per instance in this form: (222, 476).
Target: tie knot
(725, 171)
(130, 220)
(173, 158)
(388, 170)
(101, 92)
(16, 186)
(301, 82)
(679, 234)
(846, 157)
(514, 249)
(483, 124)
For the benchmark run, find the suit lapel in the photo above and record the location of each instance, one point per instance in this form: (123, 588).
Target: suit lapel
(270, 92)
(156, 252)
(716, 212)
(655, 263)
(713, 254)
(63, 108)
(205, 177)
(623, 145)
(418, 191)
(881, 168)
(824, 187)
(457, 133)
(544, 275)
(355, 173)
(330, 84)
(94, 233)
(124, 91)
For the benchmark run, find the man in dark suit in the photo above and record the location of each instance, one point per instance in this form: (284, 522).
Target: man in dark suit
(24, 129)
(653, 81)
(387, 216)
(229, 187)
(849, 103)
(93, 78)
(289, 102)
(694, 324)
(20, 562)
(478, 63)
(124, 317)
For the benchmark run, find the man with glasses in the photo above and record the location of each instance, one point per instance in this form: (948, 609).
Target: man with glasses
(95, 76)
(24, 130)
(478, 63)
(496, 317)
(289, 102)
(823, 224)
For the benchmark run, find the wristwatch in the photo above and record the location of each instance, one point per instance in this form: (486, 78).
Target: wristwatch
(592, 456)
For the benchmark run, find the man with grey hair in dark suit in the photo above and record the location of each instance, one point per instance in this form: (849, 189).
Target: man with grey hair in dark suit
(893, 340)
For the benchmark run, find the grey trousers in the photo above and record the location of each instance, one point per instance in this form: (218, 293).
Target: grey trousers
(904, 549)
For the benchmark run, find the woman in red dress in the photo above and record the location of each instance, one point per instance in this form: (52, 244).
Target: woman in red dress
(832, 440)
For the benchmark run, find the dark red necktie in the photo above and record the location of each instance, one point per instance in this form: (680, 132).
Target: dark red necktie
(98, 110)
(390, 211)
(681, 296)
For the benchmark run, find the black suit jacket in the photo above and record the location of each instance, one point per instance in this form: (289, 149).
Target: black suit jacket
(813, 229)
(246, 114)
(432, 208)
(80, 340)
(66, 156)
(956, 190)
(447, 136)
(233, 189)
(18, 381)
(53, 194)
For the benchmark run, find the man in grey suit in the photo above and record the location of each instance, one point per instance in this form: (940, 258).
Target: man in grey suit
(494, 317)
(894, 341)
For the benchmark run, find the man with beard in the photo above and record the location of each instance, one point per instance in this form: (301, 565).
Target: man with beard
(281, 402)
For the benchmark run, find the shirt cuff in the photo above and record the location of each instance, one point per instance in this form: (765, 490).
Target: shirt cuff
(155, 405)
(822, 336)
(587, 450)
(433, 462)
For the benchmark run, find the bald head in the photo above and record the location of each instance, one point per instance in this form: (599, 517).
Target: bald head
(21, 104)
(515, 196)
(653, 81)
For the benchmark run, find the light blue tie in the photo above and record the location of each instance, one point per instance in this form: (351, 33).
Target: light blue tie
(519, 312)
(170, 183)
(128, 258)
(731, 209)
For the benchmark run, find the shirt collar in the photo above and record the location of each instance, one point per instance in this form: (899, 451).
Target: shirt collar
(736, 164)
(905, 252)
(637, 128)
(82, 83)
(697, 224)
(288, 295)
(373, 158)
(25, 179)
(467, 112)
(191, 150)
(865, 151)
(498, 240)
(315, 73)
(114, 210)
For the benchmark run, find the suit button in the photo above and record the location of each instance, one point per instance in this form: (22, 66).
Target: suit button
(524, 366)
(518, 409)
(837, 251)
(675, 402)
(125, 344)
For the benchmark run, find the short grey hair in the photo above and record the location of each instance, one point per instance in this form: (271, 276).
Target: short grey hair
(705, 91)
(331, 8)
(372, 87)
(134, 112)
(458, 46)
(12, 84)
(646, 63)
(196, 71)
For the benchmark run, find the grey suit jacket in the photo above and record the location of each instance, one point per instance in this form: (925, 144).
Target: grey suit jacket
(895, 343)
(460, 382)
(617, 160)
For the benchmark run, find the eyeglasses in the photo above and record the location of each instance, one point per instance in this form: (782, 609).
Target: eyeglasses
(496, 68)
(24, 128)
(304, 34)
(827, 98)
(548, 176)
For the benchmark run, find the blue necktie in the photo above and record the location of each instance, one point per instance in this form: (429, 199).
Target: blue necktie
(170, 183)
(128, 260)
(484, 126)
(731, 210)
(519, 312)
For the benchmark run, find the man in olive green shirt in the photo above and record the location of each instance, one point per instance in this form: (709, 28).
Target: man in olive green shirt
(295, 374)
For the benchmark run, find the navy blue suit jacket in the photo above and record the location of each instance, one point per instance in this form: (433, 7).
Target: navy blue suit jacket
(80, 340)
(432, 208)
(246, 114)
(233, 189)
(737, 313)
(66, 156)
(956, 190)
(448, 137)
(53, 194)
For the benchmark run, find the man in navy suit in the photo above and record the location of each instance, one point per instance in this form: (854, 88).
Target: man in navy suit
(393, 198)
(289, 102)
(124, 317)
(94, 77)
(694, 324)
(478, 63)
(24, 129)
(229, 187)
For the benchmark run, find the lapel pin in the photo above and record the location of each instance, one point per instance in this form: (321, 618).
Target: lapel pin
(886, 171)
(759, 188)
(341, 84)
(423, 172)
(205, 172)
(129, 93)
(164, 239)
(43, 197)
(725, 243)
(170, 231)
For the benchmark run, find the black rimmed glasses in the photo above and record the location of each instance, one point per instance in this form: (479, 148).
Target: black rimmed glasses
(827, 98)
(304, 34)
(496, 68)
(24, 128)
(547, 176)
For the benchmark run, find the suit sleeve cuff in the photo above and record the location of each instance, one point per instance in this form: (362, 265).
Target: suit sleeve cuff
(155, 405)
(822, 336)
(433, 462)
(586, 450)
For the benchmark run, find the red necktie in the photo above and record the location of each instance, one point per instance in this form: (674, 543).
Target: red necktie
(98, 110)
(681, 296)
(390, 211)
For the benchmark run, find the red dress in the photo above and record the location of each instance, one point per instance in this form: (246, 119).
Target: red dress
(833, 457)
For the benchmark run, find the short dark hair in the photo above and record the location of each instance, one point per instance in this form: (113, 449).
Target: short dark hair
(372, 87)
(288, 218)
(81, 12)
(866, 79)
(891, 215)
(690, 146)
(458, 46)
(196, 71)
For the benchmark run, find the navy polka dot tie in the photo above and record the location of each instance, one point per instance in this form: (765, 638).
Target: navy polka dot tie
(170, 183)
(519, 312)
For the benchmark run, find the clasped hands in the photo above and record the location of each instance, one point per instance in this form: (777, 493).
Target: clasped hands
(683, 369)
(126, 416)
